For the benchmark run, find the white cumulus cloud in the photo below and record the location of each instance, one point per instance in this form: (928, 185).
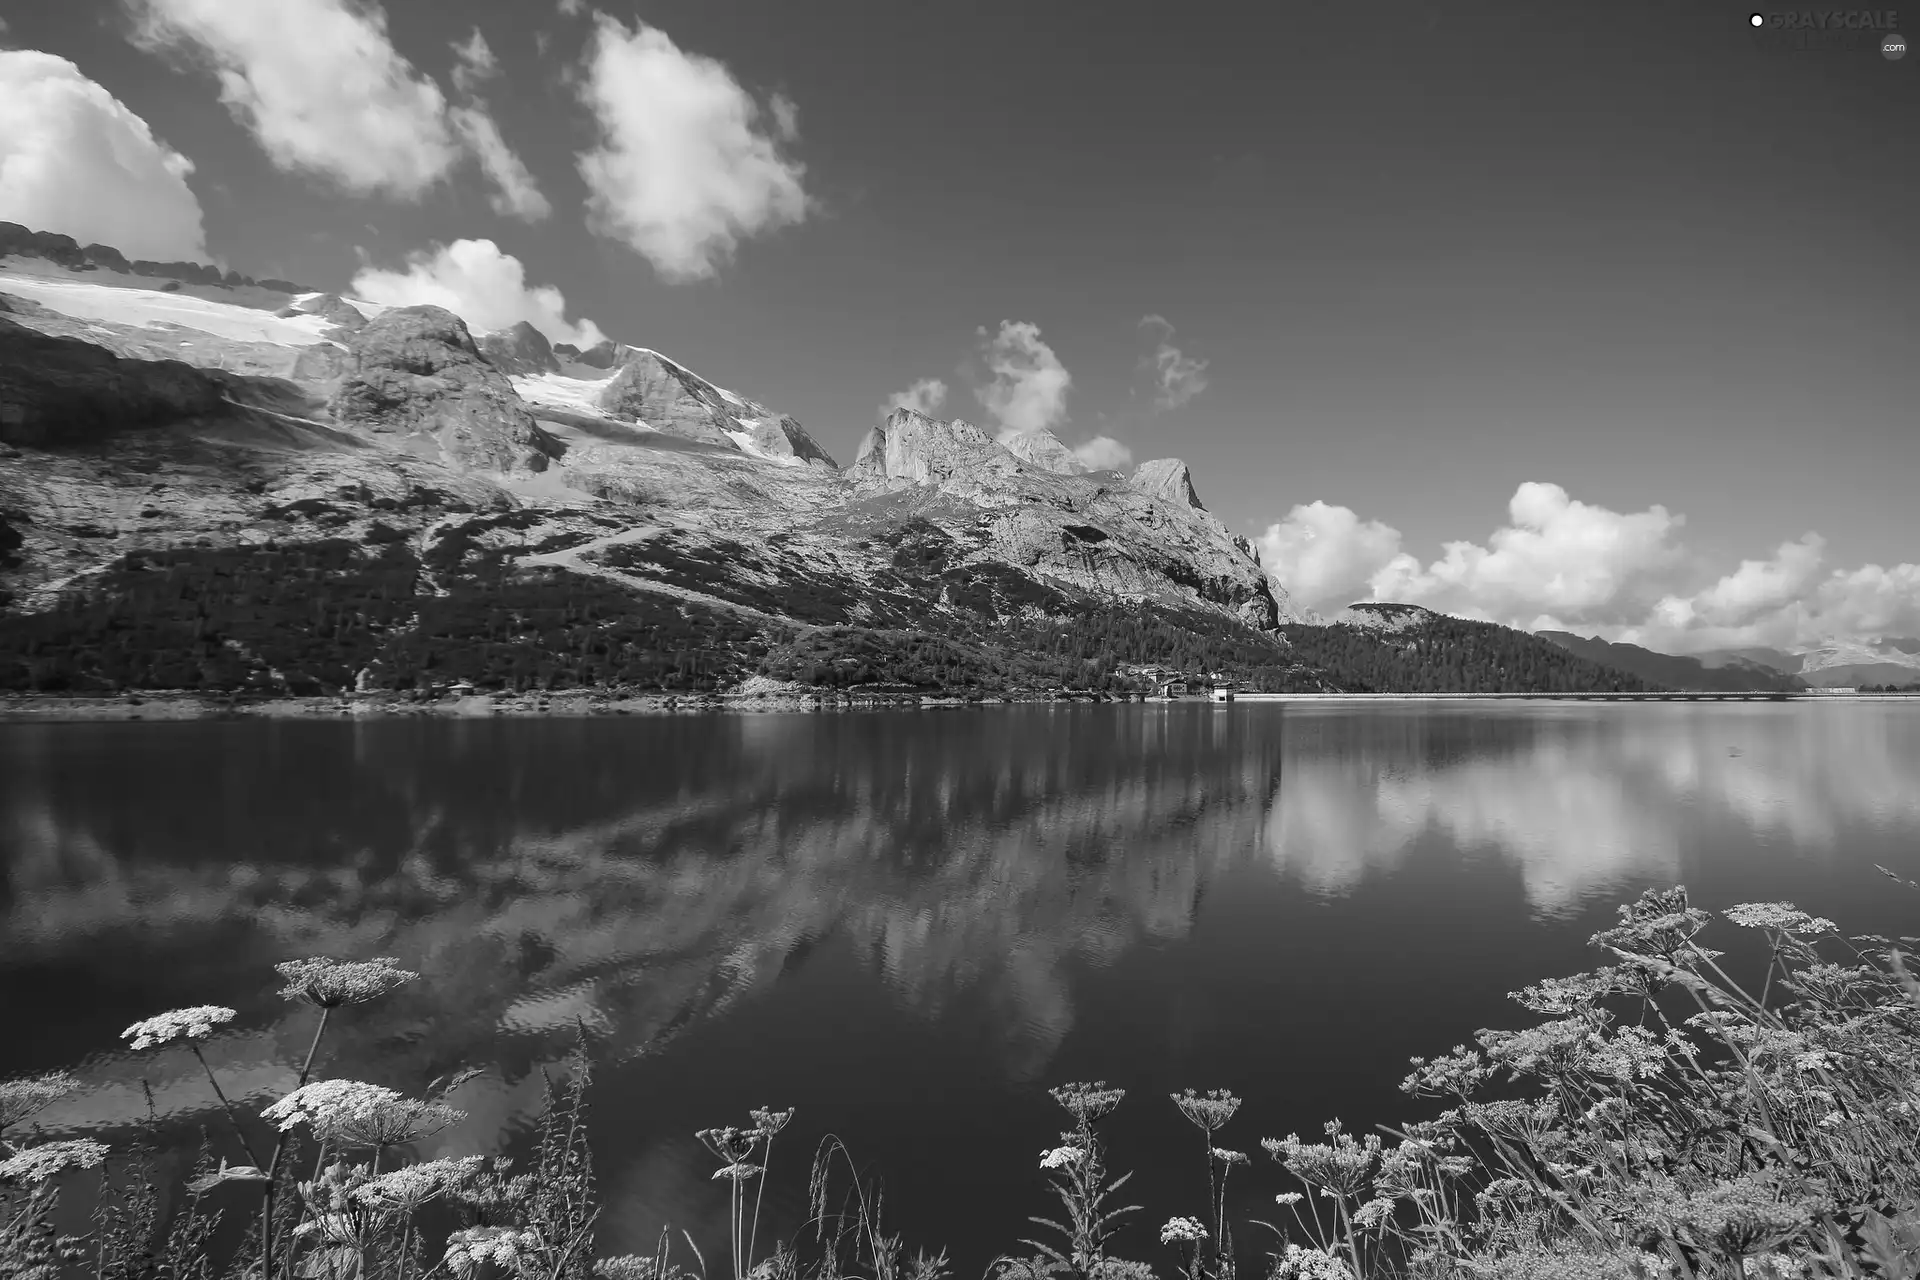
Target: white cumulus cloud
(1104, 453)
(324, 91)
(1326, 556)
(75, 160)
(320, 86)
(686, 166)
(1029, 387)
(1178, 377)
(924, 396)
(1558, 557)
(483, 286)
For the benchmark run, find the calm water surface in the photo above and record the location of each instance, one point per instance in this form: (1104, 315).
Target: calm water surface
(905, 924)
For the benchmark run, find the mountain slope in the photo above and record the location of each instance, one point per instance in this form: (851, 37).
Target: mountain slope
(1671, 671)
(288, 491)
(1377, 647)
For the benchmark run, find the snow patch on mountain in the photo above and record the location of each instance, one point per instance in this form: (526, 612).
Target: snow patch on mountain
(148, 308)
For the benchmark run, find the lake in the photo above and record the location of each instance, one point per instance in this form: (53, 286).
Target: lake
(905, 924)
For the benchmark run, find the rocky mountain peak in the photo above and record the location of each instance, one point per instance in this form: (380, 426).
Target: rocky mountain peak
(1168, 479)
(908, 447)
(416, 372)
(522, 349)
(651, 389)
(328, 306)
(1377, 615)
(1044, 449)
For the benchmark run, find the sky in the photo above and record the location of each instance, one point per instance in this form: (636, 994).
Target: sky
(1599, 317)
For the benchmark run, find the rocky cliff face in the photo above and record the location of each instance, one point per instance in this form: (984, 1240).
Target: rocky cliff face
(328, 306)
(1044, 450)
(409, 440)
(415, 374)
(1102, 535)
(522, 349)
(59, 392)
(909, 448)
(1168, 479)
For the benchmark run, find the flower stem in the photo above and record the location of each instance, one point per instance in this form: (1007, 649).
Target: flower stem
(759, 1192)
(273, 1165)
(227, 1106)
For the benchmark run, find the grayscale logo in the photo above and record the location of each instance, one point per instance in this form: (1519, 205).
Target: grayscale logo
(1894, 47)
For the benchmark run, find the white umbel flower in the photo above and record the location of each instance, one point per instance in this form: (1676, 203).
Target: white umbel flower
(325, 1102)
(1182, 1229)
(37, 1164)
(196, 1023)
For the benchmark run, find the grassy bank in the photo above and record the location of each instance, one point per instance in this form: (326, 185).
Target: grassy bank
(1656, 1117)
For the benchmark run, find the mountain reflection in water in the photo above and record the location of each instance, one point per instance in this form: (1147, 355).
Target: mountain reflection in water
(855, 913)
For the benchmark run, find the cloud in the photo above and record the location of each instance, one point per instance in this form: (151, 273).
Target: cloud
(474, 63)
(486, 288)
(1178, 376)
(684, 169)
(320, 86)
(1326, 556)
(75, 160)
(1564, 564)
(1558, 559)
(1104, 453)
(515, 194)
(572, 8)
(1029, 387)
(322, 89)
(924, 396)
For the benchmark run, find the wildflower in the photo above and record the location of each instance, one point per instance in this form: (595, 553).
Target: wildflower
(196, 1023)
(1289, 1198)
(1210, 1110)
(407, 1188)
(1457, 1074)
(1782, 917)
(1337, 1168)
(1229, 1157)
(770, 1122)
(326, 983)
(1373, 1213)
(1088, 1103)
(1309, 1264)
(730, 1144)
(37, 1164)
(739, 1171)
(1061, 1157)
(21, 1098)
(360, 1114)
(1182, 1229)
(393, 1122)
(503, 1246)
(325, 1101)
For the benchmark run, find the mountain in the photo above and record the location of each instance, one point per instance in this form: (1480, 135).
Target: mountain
(1836, 664)
(1691, 673)
(226, 486)
(1044, 450)
(1382, 647)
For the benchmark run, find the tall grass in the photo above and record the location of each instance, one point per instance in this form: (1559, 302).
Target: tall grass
(1659, 1119)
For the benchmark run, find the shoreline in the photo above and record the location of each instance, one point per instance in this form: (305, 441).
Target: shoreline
(175, 706)
(169, 705)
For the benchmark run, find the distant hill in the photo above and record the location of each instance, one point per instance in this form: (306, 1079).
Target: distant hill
(1837, 664)
(1378, 647)
(1737, 674)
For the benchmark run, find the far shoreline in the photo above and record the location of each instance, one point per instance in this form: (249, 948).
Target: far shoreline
(164, 705)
